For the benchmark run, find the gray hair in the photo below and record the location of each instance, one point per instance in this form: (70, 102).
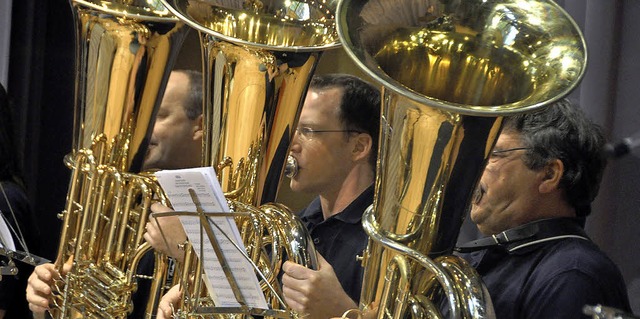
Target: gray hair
(562, 131)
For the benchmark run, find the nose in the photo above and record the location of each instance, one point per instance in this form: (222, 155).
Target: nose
(295, 142)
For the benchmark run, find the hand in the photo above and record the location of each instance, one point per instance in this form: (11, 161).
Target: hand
(316, 293)
(39, 294)
(170, 227)
(167, 302)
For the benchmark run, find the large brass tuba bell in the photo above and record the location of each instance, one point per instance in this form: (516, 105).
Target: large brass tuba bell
(450, 69)
(124, 52)
(258, 59)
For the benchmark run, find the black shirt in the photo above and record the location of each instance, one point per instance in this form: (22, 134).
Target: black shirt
(340, 238)
(551, 277)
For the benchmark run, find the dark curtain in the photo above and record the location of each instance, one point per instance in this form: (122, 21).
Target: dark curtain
(41, 84)
(610, 93)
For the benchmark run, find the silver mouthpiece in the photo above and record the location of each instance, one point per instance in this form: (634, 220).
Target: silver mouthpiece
(291, 168)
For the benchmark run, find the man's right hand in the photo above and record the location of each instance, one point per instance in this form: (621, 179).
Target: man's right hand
(315, 294)
(39, 292)
(165, 234)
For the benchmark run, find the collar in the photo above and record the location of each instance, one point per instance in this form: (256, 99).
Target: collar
(529, 234)
(352, 214)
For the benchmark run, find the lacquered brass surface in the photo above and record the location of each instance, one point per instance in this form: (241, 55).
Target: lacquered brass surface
(258, 59)
(449, 71)
(486, 58)
(124, 52)
(121, 74)
(274, 25)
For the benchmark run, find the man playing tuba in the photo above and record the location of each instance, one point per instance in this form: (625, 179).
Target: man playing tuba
(335, 147)
(532, 201)
(175, 142)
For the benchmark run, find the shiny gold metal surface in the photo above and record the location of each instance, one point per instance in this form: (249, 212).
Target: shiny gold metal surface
(449, 70)
(258, 59)
(124, 51)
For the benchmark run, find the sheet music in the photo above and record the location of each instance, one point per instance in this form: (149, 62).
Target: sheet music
(176, 184)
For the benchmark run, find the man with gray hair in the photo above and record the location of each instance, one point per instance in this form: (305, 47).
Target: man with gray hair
(531, 202)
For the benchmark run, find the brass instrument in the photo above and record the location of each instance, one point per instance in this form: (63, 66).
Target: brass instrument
(124, 51)
(450, 69)
(258, 59)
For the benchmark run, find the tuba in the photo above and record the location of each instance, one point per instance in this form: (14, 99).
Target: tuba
(450, 70)
(124, 51)
(258, 59)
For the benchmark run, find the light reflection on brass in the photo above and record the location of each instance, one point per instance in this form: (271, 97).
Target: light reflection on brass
(258, 59)
(124, 52)
(450, 70)
(274, 25)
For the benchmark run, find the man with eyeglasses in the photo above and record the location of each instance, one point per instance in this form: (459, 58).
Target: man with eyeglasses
(531, 202)
(335, 148)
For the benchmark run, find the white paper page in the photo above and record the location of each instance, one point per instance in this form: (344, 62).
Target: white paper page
(6, 240)
(176, 184)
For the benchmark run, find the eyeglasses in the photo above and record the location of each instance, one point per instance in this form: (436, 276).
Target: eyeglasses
(309, 133)
(499, 153)
(510, 150)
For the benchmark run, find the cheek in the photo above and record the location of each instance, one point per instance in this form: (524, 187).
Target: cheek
(314, 152)
(161, 128)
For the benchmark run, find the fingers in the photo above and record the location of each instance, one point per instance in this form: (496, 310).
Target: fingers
(39, 288)
(166, 305)
(159, 208)
(152, 234)
(297, 284)
(296, 271)
(164, 310)
(66, 267)
(165, 234)
(38, 312)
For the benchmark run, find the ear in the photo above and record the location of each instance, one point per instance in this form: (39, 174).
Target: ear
(362, 146)
(551, 175)
(198, 128)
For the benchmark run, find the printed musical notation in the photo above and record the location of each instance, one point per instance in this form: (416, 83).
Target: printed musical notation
(176, 184)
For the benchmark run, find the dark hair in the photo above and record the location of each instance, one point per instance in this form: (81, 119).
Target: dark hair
(359, 108)
(193, 105)
(9, 156)
(562, 131)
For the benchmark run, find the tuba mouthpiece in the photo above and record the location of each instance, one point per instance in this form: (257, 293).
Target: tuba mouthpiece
(291, 167)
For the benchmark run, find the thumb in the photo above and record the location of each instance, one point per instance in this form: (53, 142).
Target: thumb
(323, 263)
(66, 267)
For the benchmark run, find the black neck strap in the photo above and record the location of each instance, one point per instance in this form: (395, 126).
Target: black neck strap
(529, 234)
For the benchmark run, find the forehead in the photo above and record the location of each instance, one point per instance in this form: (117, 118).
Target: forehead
(320, 105)
(176, 91)
(509, 138)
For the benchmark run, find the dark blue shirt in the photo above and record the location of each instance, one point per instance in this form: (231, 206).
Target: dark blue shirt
(340, 238)
(549, 279)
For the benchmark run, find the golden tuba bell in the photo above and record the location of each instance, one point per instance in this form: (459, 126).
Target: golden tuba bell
(124, 52)
(450, 69)
(258, 59)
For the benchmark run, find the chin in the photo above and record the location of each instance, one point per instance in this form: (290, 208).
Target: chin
(295, 187)
(150, 164)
